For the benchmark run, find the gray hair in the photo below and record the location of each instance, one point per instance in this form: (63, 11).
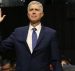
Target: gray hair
(37, 3)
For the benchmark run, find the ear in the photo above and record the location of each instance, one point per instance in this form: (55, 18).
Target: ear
(27, 14)
(42, 14)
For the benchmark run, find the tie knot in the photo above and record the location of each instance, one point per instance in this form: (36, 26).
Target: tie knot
(34, 29)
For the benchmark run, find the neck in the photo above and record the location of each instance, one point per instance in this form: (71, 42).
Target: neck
(35, 24)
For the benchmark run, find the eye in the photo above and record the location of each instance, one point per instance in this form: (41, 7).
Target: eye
(30, 9)
(34, 9)
(37, 9)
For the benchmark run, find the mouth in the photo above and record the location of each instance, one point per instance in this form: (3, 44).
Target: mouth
(33, 16)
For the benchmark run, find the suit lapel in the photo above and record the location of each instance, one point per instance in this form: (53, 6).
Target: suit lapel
(26, 33)
(25, 37)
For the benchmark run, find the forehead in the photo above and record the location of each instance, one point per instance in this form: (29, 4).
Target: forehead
(34, 6)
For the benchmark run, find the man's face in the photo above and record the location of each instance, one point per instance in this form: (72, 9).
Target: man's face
(35, 13)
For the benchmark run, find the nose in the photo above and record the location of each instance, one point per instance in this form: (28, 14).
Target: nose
(34, 12)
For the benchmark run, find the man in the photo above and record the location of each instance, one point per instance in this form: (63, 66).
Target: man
(6, 65)
(36, 46)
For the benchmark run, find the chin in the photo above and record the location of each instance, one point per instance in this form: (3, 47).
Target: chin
(34, 21)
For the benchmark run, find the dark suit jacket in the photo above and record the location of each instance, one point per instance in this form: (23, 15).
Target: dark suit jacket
(45, 52)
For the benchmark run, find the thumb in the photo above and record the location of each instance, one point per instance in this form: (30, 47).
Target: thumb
(4, 16)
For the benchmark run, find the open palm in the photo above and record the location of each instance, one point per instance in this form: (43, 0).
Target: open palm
(1, 17)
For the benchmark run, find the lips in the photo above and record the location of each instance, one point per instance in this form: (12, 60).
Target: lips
(33, 16)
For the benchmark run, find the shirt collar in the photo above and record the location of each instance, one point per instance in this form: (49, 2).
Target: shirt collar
(38, 27)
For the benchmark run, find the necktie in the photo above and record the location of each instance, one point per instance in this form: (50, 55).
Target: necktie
(34, 38)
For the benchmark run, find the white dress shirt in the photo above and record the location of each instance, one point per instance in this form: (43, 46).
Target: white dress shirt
(29, 36)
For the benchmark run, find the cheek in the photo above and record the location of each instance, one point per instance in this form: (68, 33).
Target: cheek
(28, 15)
(39, 15)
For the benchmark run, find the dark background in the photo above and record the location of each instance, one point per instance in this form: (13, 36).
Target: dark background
(59, 14)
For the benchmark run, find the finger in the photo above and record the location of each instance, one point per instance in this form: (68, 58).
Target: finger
(4, 16)
(0, 12)
(1, 19)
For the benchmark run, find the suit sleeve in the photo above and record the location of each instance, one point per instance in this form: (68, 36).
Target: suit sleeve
(8, 43)
(55, 54)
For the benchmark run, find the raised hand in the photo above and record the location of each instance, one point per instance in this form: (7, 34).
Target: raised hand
(1, 17)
